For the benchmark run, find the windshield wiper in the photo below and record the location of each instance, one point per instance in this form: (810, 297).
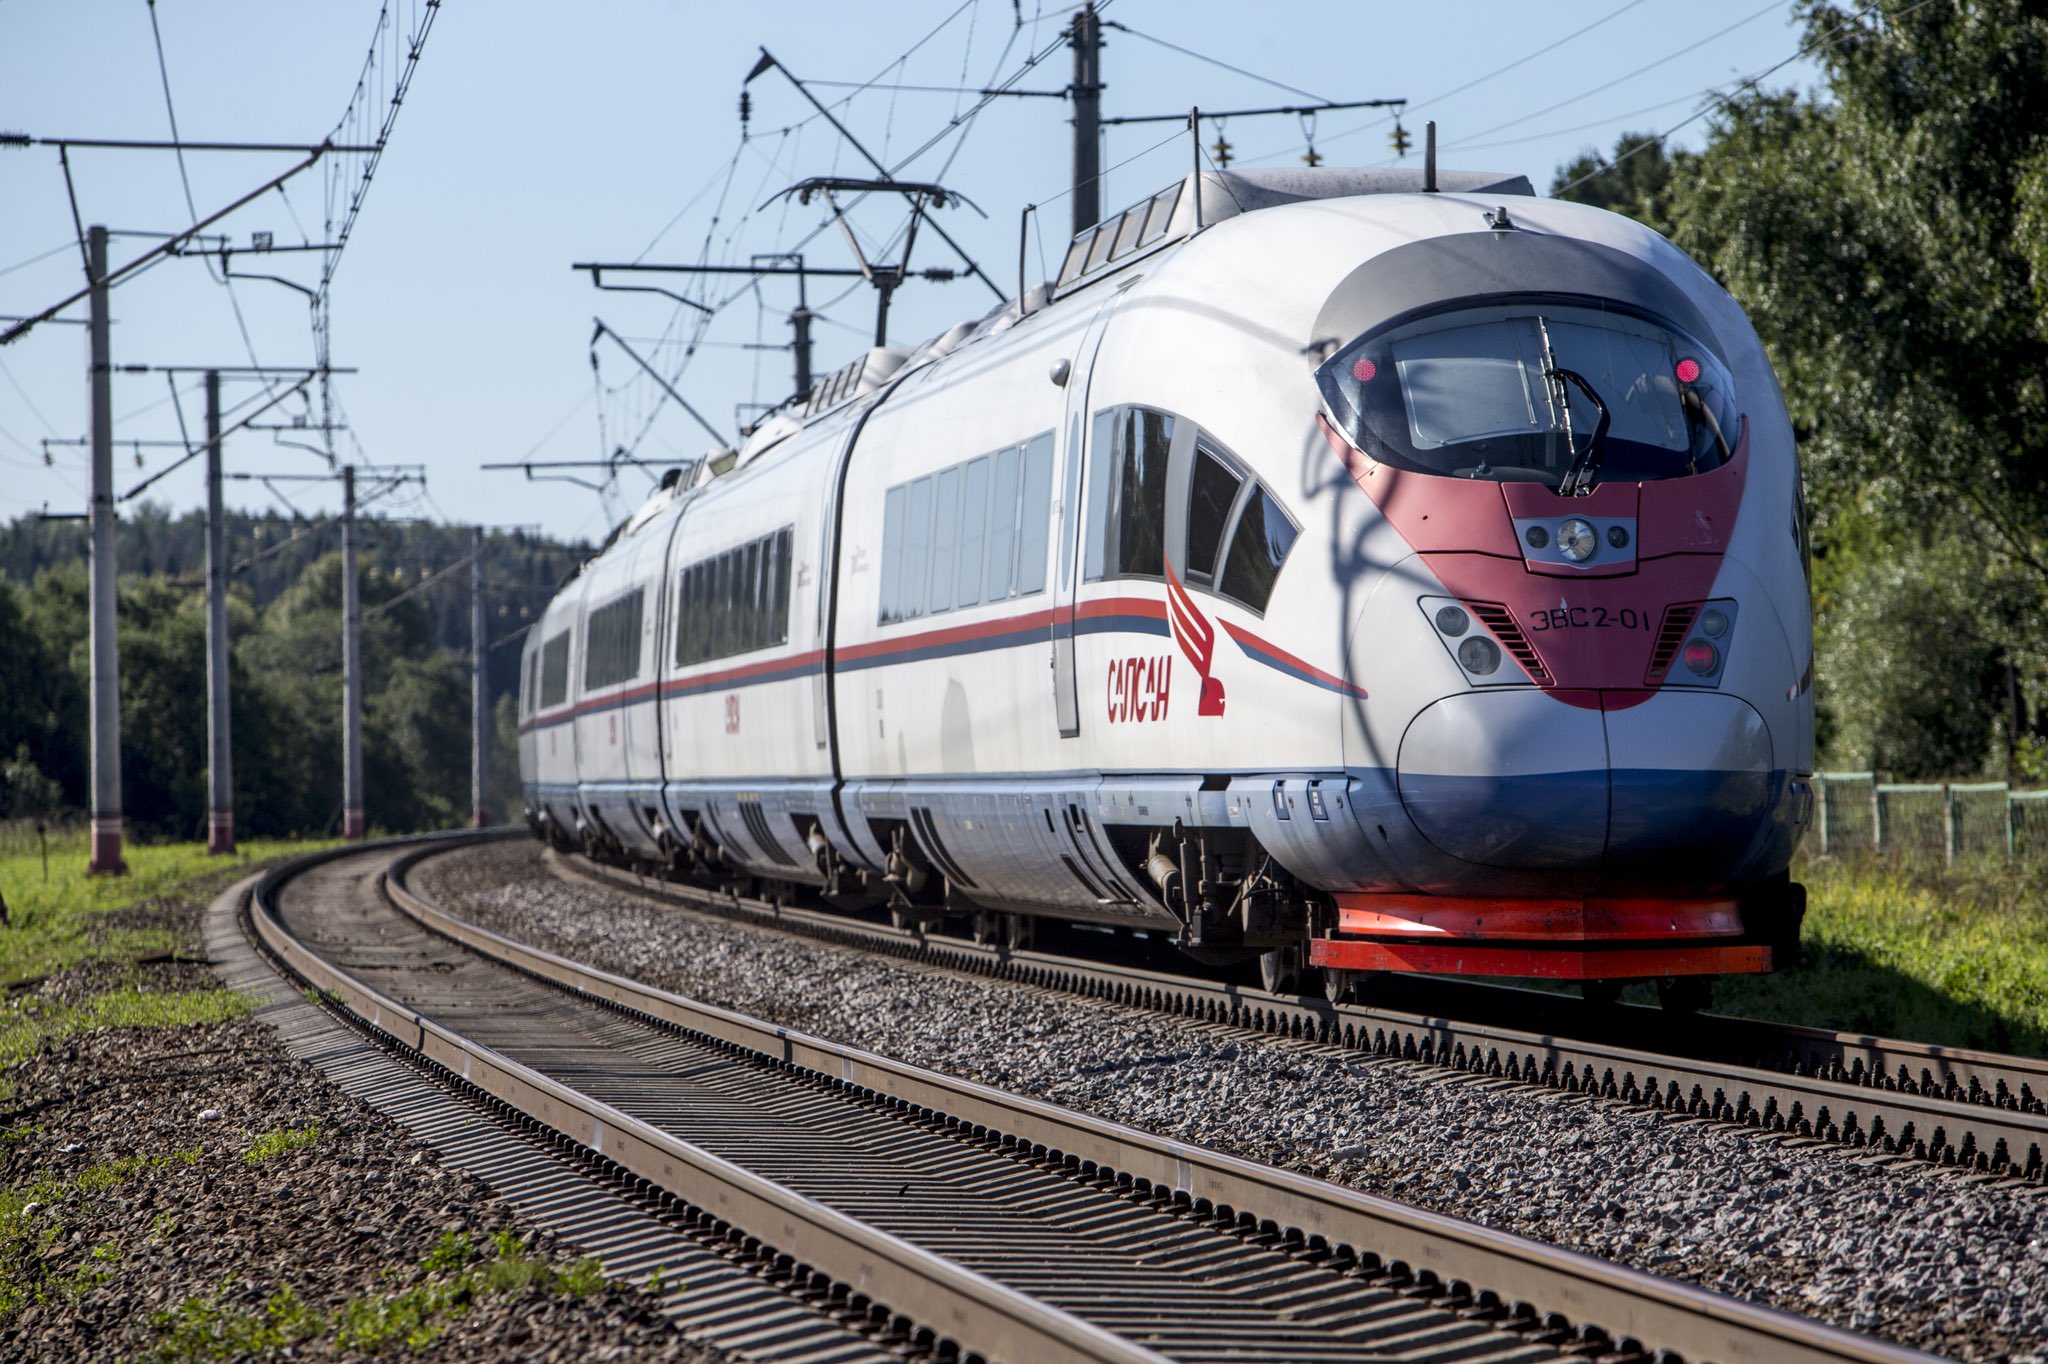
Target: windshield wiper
(1578, 480)
(1697, 405)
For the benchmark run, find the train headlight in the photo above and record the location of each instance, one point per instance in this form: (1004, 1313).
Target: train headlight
(1701, 657)
(1713, 622)
(1451, 621)
(1576, 540)
(1479, 656)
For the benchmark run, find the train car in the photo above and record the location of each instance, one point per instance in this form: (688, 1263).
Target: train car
(1327, 569)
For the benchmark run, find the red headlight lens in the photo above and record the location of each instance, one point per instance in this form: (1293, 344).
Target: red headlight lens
(1362, 369)
(1701, 657)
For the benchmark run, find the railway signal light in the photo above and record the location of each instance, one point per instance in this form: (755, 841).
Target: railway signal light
(1398, 139)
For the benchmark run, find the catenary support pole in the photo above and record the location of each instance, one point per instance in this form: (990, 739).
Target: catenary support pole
(106, 661)
(1087, 43)
(352, 824)
(220, 777)
(479, 699)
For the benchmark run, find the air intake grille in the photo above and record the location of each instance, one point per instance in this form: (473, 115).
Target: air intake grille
(1677, 625)
(1501, 622)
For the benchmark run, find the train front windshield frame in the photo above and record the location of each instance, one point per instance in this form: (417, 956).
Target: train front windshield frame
(1487, 392)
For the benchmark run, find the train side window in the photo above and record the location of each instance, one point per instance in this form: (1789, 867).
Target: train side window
(750, 598)
(945, 538)
(1211, 494)
(554, 670)
(893, 516)
(1004, 508)
(721, 605)
(1036, 526)
(917, 540)
(1258, 547)
(973, 559)
(784, 538)
(698, 640)
(1102, 450)
(612, 642)
(1127, 494)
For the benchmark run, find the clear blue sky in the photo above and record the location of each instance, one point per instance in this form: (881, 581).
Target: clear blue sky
(537, 135)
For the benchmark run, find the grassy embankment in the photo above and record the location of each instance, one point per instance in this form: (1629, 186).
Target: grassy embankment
(103, 931)
(1908, 949)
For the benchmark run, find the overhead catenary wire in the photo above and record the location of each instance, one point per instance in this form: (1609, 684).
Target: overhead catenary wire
(1434, 100)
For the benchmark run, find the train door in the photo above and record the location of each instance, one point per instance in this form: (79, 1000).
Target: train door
(1065, 683)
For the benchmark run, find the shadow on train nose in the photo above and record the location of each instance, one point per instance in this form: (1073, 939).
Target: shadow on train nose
(1521, 779)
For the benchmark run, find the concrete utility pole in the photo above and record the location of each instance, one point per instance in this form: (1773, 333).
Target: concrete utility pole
(479, 699)
(1087, 43)
(352, 823)
(106, 658)
(220, 777)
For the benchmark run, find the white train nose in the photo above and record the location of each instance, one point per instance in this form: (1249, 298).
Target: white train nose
(1524, 779)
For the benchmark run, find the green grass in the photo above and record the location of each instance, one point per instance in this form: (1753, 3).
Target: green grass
(1957, 956)
(455, 1274)
(279, 1141)
(58, 922)
(28, 1021)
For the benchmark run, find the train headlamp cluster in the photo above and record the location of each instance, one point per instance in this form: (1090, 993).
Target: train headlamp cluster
(1703, 658)
(1477, 654)
(1577, 541)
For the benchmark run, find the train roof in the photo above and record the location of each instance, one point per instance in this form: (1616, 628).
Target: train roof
(1190, 205)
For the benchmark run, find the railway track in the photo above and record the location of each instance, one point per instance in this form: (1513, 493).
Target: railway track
(960, 1220)
(1954, 1107)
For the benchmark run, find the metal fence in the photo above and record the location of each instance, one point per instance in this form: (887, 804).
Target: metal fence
(1856, 813)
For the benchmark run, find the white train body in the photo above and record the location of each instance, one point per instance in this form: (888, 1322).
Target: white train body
(1135, 608)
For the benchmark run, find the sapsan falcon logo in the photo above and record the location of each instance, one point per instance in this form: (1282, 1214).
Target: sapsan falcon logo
(1196, 638)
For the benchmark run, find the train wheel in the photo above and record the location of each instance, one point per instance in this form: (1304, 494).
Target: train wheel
(1285, 971)
(988, 928)
(1022, 931)
(1685, 994)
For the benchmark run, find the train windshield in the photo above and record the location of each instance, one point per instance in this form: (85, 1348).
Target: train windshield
(1556, 394)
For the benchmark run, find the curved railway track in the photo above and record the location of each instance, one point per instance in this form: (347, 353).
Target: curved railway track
(1954, 1107)
(966, 1221)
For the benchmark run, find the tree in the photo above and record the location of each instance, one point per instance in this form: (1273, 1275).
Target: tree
(1635, 182)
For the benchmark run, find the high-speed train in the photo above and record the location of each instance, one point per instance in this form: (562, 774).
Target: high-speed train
(1322, 569)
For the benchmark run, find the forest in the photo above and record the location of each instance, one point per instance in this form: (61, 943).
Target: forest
(284, 625)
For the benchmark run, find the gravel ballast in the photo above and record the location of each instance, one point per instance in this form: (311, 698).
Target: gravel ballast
(197, 1192)
(1942, 1261)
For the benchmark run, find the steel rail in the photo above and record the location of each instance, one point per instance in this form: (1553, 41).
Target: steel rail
(957, 1304)
(1946, 1106)
(1626, 1304)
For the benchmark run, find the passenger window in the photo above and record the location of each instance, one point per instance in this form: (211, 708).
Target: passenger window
(1127, 516)
(973, 521)
(747, 619)
(945, 535)
(554, 671)
(1102, 456)
(1037, 514)
(892, 555)
(784, 590)
(917, 539)
(1258, 547)
(1211, 494)
(1004, 509)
